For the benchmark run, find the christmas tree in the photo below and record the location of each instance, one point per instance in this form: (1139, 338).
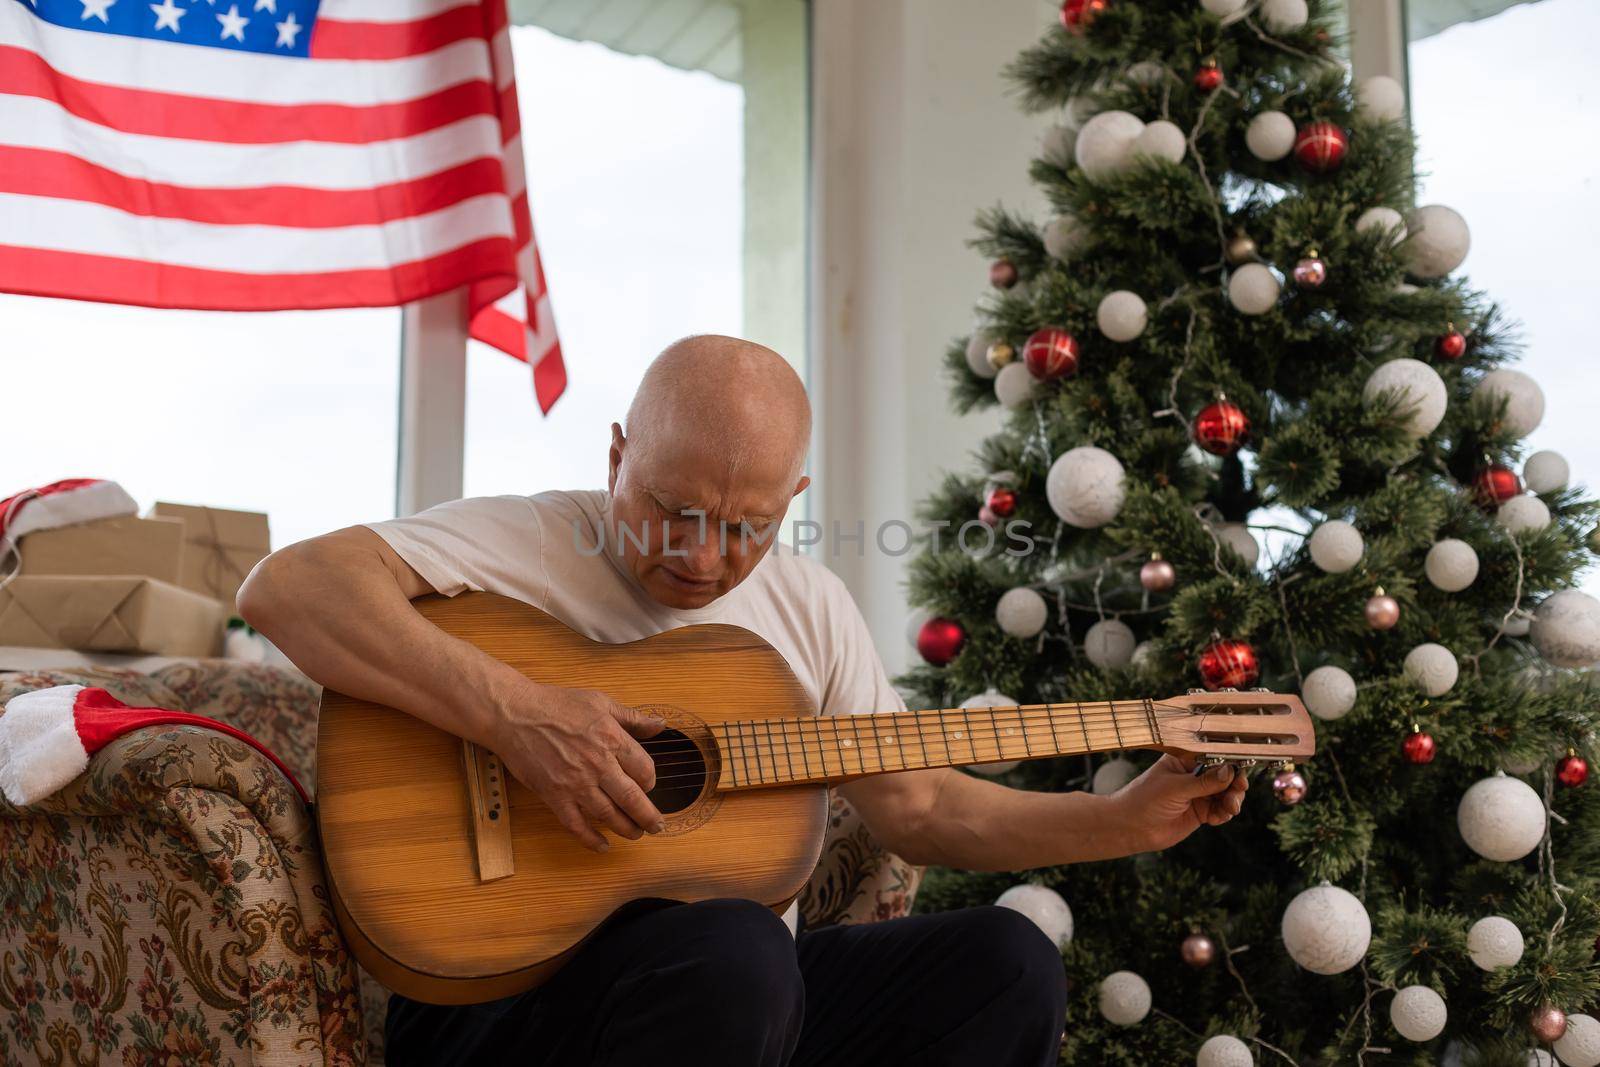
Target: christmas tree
(1258, 435)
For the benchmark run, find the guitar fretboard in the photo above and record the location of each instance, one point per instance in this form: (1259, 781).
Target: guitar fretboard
(768, 752)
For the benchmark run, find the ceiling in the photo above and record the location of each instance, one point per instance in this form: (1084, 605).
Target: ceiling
(690, 34)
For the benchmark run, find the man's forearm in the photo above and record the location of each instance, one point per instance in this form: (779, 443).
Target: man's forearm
(339, 615)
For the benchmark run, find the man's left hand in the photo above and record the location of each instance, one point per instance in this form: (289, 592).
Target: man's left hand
(1169, 802)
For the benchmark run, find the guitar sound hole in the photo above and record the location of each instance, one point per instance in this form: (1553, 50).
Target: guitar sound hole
(680, 771)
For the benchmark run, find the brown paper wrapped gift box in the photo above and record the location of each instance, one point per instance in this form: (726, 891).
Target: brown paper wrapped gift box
(220, 547)
(126, 545)
(109, 613)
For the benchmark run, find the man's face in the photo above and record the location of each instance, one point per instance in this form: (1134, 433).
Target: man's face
(686, 528)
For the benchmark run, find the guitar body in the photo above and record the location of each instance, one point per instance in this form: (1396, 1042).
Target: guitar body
(399, 832)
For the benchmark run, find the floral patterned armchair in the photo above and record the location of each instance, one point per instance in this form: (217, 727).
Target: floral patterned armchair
(168, 906)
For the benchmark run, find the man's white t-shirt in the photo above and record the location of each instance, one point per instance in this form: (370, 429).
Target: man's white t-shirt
(546, 550)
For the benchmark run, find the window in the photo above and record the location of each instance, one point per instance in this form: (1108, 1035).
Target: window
(1503, 110)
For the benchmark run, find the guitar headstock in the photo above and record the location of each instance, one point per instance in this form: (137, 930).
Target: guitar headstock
(1228, 725)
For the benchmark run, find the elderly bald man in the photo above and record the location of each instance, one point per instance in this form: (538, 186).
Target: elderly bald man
(711, 455)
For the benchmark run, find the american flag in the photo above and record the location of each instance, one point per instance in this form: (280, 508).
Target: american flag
(256, 155)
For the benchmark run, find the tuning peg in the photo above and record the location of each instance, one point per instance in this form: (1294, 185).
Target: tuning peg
(1227, 689)
(1195, 691)
(1260, 689)
(1286, 765)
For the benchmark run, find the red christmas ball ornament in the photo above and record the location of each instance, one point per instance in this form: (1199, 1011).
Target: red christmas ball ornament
(1002, 274)
(1221, 428)
(1076, 15)
(1310, 272)
(1320, 146)
(1495, 484)
(1198, 950)
(940, 639)
(1157, 575)
(1451, 345)
(1002, 501)
(1382, 611)
(1228, 664)
(1209, 77)
(1572, 770)
(1289, 786)
(1051, 353)
(1418, 747)
(987, 516)
(1548, 1023)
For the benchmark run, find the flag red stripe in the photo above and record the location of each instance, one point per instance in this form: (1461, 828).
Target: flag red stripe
(336, 39)
(116, 280)
(510, 115)
(39, 172)
(197, 118)
(550, 378)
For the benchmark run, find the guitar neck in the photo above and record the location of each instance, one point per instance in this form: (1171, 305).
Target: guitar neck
(771, 752)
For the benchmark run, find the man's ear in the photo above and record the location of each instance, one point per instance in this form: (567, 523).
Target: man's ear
(800, 486)
(618, 443)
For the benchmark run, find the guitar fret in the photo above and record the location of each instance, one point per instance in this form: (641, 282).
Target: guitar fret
(944, 737)
(922, 742)
(787, 761)
(994, 728)
(1150, 717)
(1115, 725)
(727, 748)
(1055, 739)
(744, 753)
(899, 739)
(971, 745)
(805, 749)
(1083, 724)
(861, 753)
(1023, 723)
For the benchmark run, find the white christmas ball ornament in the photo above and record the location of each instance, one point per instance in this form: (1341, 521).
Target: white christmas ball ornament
(1336, 546)
(1546, 472)
(1382, 98)
(1540, 1058)
(1326, 929)
(1566, 629)
(978, 354)
(1105, 143)
(1517, 624)
(1237, 536)
(1124, 998)
(1064, 235)
(1015, 385)
(1580, 1045)
(1021, 612)
(990, 699)
(1418, 1013)
(1282, 16)
(1329, 692)
(1422, 393)
(1146, 72)
(1270, 136)
(1494, 942)
(1432, 668)
(1439, 241)
(1501, 818)
(1045, 907)
(1058, 143)
(1523, 398)
(1122, 315)
(1253, 289)
(1161, 140)
(1085, 486)
(1224, 9)
(1523, 514)
(1384, 219)
(1451, 565)
(1224, 1050)
(915, 622)
(1109, 643)
(1112, 775)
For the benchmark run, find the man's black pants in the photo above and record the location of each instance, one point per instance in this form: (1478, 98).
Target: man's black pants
(721, 983)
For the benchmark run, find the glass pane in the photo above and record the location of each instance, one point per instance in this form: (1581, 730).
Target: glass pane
(1504, 114)
(637, 187)
(292, 413)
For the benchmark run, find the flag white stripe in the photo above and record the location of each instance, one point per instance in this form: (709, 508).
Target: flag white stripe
(504, 70)
(75, 226)
(29, 122)
(386, 10)
(191, 70)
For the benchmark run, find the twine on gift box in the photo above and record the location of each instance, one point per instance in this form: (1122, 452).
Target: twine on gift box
(219, 563)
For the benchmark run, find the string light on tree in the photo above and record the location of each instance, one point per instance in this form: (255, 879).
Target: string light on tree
(1418, 1013)
(1546, 472)
(1329, 692)
(1198, 950)
(1382, 610)
(1124, 998)
(1109, 644)
(1221, 427)
(1320, 146)
(991, 699)
(1157, 575)
(1495, 484)
(1046, 907)
(1310, 272)
(1451, 345)
(1224, 1050)
(940, 640)
(1418, 747)
(1269, 137)
(1003, 274)
(1051, 353)
(1289, 785)
(1572, 770)
(1326, 929)
(1451, 565)
(1253, 289)
(1494, 942)
(1021, 612)
(1501, 818)
(1229, 664)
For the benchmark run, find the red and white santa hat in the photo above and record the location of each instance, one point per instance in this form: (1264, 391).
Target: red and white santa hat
(62, 503)
(48, 735)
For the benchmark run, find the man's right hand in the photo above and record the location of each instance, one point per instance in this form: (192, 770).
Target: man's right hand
(579, 750)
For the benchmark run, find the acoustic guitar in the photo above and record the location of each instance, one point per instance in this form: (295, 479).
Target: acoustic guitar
(455, 884)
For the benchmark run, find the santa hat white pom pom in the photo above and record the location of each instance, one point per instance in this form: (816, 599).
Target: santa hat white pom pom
(40, 750)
